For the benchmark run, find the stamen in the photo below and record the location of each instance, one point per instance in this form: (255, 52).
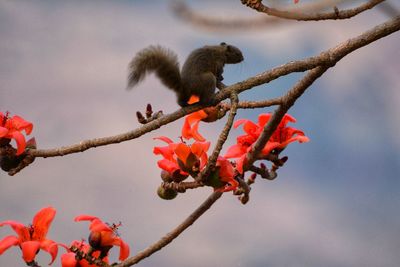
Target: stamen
(5, 118)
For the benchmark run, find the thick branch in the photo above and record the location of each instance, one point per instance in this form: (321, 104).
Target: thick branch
(297, 15)
(329, 57)
(174, 233)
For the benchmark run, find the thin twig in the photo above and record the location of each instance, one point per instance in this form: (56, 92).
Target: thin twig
(221, 139)
(297, 15)
(260, 104)
(168, 238)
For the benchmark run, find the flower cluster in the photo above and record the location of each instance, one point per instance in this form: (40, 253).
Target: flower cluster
(32, 238)
(181, 160)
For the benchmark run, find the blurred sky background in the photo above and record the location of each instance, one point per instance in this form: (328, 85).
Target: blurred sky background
(63, 66)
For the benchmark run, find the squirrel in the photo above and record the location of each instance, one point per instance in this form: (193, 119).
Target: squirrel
(201, 73)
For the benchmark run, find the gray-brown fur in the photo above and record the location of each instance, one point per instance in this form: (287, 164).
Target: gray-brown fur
(200, 73)
(162, 61)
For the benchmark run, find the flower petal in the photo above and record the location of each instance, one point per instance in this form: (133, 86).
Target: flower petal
(240, 162)
(20, 139)
(68, 260)
(299, 138)
(239, 122)
(193, 99)
(164, 151)
(191, 129)
(183, 152)
(226, 171)
(269, 147)
(85, 218)
(163, 138)
(287, 118)
(235, 151)
(250, 127)
(168, 165)
(98, 226)
(123, 251)
(41, 223)
(7, 242)
(51, 247)
(263, 119)
(196, 116)
(20, 124)
(3, 131)
(195, 132)
(21, 230)
(199, 148)
(29, 250)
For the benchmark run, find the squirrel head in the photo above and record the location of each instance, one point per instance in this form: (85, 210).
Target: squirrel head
(232, 53)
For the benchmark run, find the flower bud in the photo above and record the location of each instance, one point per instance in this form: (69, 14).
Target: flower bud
(166, 194)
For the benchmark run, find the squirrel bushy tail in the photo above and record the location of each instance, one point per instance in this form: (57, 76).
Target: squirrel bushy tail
(162, 61)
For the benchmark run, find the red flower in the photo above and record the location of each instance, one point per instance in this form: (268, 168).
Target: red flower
(190, 127)
(226, 174)
(11, 128)
(179, 157)
(32, 238)
(103, 237)
(282, 136)
(68, 259)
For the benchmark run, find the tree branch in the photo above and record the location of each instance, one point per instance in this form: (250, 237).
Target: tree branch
(221, 139)
(168, 238)
(296, 15)
(182, 11)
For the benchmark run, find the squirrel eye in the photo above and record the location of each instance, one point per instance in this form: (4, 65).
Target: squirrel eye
(223, 43)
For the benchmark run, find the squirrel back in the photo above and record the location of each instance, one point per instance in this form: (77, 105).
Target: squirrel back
(200, 73)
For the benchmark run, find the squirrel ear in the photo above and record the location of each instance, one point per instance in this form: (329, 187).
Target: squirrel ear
(223, 43)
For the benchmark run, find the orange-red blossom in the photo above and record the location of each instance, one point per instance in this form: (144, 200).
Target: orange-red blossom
(11, 128)
(282, 136)
(182, 159)
(103, 237)
(69, 259)
(32, 238)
